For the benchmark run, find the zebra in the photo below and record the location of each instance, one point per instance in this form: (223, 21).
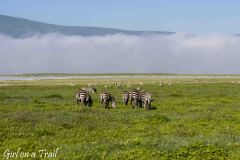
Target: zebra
(106, 98)
(135, 97)
(70, 84)
(106, 86)
(170, 83)
(146, 99)
(90, 89)
(119, 85)
(125, 97)
(83, 96)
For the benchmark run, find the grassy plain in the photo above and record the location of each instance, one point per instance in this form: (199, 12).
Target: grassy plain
(196, 118)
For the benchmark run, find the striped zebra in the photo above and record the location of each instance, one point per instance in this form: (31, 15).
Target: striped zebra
(83, 96)
(119, 85)
(125, 97)
(106, 98)
(90, 89)
(146, 99)
(135, 98)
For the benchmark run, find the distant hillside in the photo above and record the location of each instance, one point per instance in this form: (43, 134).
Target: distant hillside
(19, 27)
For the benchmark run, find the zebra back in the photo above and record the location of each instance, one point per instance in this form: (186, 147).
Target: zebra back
(106, 97)
(135, 98)
(84, 97)
(135, 94)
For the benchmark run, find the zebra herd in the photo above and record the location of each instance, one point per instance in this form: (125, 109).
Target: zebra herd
(137, 98)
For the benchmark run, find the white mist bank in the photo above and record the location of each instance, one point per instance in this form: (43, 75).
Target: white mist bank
(177, 53)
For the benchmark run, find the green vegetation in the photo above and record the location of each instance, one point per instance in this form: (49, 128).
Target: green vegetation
(193, 119)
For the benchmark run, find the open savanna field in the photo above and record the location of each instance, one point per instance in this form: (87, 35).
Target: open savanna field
(195, 118)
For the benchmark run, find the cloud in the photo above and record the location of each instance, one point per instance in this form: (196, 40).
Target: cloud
(177, 53)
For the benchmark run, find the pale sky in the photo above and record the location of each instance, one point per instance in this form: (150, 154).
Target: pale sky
(189, 16)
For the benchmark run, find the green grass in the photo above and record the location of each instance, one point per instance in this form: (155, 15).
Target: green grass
(191, 121)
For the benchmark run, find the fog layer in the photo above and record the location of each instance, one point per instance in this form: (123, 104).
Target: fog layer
(177, 53)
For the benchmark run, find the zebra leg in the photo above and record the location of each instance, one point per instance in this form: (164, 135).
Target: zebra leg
(133, 104)
(136, 103)
(131, 101)
(123, 100)
(140, 103)
(104, 104)
(85, 103)
(107, 103)
(90, 102)
(147, 105)
(126, 103)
